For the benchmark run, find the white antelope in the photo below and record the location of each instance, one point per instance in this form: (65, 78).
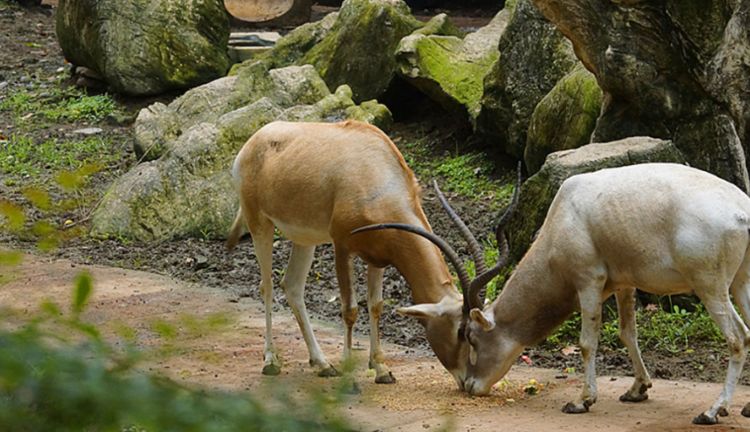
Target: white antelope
(316, 182)
(663, 228)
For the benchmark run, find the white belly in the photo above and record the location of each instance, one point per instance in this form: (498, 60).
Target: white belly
(304, 234)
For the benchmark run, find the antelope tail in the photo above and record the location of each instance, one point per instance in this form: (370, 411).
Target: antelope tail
(236, 231)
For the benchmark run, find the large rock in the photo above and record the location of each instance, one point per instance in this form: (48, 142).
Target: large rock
(539, 190)
(354, 46)
(158, 125)
(187, 191)
(143, 47)
(358, 51)
(674, 70)
(564, 119)
(448, 68)
(533, 57)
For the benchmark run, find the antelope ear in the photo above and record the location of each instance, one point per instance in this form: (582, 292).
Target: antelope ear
(446, 306)
(424, 310)
(487, 322)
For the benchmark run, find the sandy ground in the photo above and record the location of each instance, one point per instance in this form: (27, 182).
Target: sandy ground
(424, 398)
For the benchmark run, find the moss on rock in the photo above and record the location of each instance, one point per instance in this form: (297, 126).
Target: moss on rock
(187, 191)
(564, 119)
(358, 51)
(146, 47)
(451, 69)
(533, 57)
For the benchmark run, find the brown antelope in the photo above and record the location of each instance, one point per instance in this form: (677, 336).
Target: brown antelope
(316, 182)
(663, 228)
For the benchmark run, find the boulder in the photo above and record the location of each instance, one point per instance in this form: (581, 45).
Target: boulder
(564, 119)
(158, 125)
(539, 190)
(358, 50)
(143, 47)
(674, 70)
(293, 46)
(353, 46)
(187, 191)
(533, 57)
(449, 68)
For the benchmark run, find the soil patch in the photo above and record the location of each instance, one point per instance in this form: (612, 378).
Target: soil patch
(230, 358)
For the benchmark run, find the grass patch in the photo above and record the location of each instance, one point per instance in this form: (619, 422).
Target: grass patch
(21, 156)
(468, 174)
(676, 331)
(57, 104)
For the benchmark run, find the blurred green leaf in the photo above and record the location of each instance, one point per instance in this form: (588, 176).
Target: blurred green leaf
(51, 308)
(13, 214)
(82, 293)
(164, 329)
(70, 180)
(38, 197)
(46, 244)
(10, 258)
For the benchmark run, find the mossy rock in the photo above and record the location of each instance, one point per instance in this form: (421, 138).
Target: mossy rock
(678, 71)
(564, 119)
(358, 50)
(158, 125)
(289, 49)
(539, 190)
(534, 56)
(187, 191)
(448, 68)
(144, 47)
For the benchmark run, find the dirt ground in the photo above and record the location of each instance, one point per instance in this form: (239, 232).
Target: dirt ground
(424, 398)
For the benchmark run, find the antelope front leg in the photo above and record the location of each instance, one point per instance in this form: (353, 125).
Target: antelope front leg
(591, 318)
(383, 375)
(629, 337)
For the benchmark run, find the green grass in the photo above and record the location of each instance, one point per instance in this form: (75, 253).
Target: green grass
(468, 173)
(22, 157)
(675, 331)
(57, 104)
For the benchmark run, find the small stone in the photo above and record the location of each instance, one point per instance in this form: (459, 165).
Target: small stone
(3, 84)
(88, 131)
(201, 262)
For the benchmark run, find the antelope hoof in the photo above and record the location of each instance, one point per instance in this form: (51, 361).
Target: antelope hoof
(638, 397)
(723, 412)
(704, 419)
(271, 369)
(573, 408)
(385, 379)
(746, 410)
(328, 372)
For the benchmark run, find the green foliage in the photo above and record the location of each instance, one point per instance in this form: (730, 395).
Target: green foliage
(58, 104)
(491, 254)
(674, 332)
(468, 173)
(78, 387)
(82, 293)
(21, 156)
(57, 372)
